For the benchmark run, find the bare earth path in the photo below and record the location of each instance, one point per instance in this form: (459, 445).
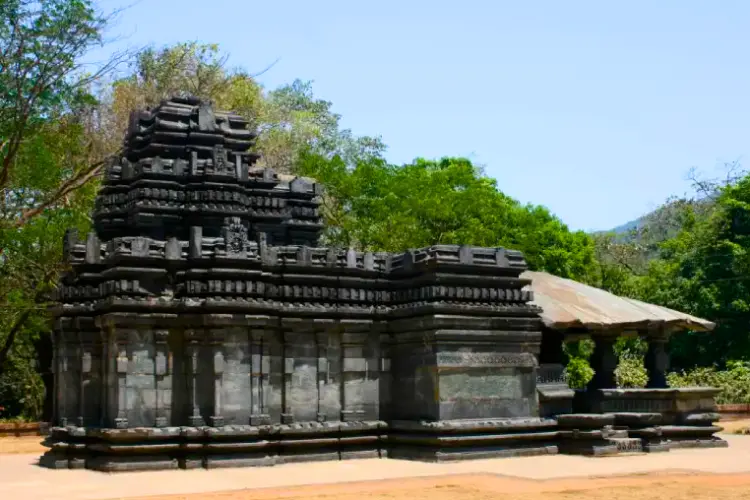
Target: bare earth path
(713, 474)
(485, 487)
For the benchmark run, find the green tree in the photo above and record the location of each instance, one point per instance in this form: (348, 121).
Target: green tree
(47, 160)
(290, 119)
(374, 205)
(705, 270)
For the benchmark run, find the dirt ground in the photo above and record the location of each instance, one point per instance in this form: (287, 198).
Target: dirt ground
(21, 445)
(671, 485)
(489, 487)
(733, 426)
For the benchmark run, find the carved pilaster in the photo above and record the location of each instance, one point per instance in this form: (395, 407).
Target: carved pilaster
(106, 352)
(84, 355)
(323, 372)
(260, 366)
(192, 347)
(60, 389)
(162, 370)
(120, 339)
(216, 343)
(287, 417)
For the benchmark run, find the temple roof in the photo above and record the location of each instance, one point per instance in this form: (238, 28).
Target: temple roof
(570, 304)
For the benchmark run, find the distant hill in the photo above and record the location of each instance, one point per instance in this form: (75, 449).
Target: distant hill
(629, 226)
(662, 223)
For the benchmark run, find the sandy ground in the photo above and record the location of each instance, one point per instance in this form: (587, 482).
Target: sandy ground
(733, 426)
(485, 487)
(21, 445)
(712, 474)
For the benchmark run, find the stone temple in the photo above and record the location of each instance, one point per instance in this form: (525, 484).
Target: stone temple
(202, 324)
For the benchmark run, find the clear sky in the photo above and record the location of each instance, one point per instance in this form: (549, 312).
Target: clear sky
(594, 109)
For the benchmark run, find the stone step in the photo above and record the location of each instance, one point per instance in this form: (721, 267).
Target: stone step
(618, 433)
(627, 445)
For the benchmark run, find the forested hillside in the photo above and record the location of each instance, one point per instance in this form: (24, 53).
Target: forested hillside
(60, 122)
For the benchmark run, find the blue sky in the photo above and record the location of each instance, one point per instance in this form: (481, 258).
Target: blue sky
(594, 109)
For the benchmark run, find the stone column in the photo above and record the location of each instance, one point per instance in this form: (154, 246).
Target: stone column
(322, 373)
(193, 348)
(162, 379)
(60, 367)
(86, 352)
(604, 362)
(217, 351)
(120, 351)
(657, 362)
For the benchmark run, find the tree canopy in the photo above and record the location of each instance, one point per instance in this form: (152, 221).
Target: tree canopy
(377, 206)
(60, 123)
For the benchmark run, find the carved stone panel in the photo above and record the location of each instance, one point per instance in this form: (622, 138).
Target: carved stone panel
(329, 376)
(140, 395)
(301, 377)
(237, 378)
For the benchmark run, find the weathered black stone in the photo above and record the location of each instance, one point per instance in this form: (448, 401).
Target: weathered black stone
(202, 324)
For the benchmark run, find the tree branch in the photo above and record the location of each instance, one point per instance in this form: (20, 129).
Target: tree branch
(63, 190)
(11, 338)
(21, 320)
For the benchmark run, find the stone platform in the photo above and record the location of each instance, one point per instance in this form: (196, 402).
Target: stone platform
(23, 480)
(121, 450)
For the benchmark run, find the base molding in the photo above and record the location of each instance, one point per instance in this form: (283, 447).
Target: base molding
(165, 448)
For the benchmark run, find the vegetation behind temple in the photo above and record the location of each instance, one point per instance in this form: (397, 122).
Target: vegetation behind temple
(691, 255)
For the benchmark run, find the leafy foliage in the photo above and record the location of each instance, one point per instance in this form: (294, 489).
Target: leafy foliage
(290, 119)
(734, 382)
(704, 270)
(631, 373)
(579, 372)
(379, 206)
(48, 159)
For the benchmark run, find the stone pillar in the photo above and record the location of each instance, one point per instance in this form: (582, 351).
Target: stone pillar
(120, 351)
(60, 366)
(89, 392)
(287, 415)
(260, 372)
(217, 350)
(604, 362)
(322, 373)
(657, 362)
(162, 379)
(193, 348)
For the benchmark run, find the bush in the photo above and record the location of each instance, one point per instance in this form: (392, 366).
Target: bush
(21, 386)
(631, 373)
(734, 382)
(579, 373)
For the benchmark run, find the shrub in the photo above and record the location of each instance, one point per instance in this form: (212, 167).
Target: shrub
(21, 389)
(631, 373)
(579, 373)
(734, 382)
